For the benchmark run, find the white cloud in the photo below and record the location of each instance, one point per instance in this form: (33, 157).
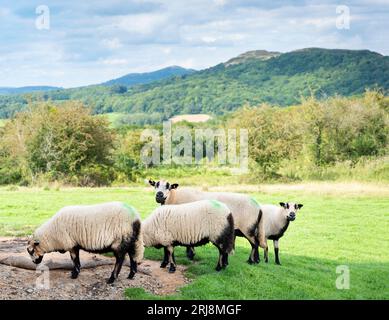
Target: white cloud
(167, 50)
(115, 62)
(112, 43)
(220, 2)
(208, 39)
(143, 24)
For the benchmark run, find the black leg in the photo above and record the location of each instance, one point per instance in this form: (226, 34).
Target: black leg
(276, 250)
(118, 266)
(190, 252)
(75, 256)
(172, 267)
(165, 260)
(225, 260)
(254, 254)
(134, 268)
(174, 258)
(219, 265)
(266, 251)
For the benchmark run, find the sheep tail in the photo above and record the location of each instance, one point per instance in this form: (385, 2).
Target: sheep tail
(137, 241)
(260, 231)
(230, 234)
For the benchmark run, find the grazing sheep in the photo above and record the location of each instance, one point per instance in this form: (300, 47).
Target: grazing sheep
(191, 224)
(101, 228)
(245, 210)
(275, 221)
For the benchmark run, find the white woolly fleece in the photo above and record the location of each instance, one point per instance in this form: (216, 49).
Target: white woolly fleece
(94, 227)
(244, 209)
(186, 223)
(273, 219)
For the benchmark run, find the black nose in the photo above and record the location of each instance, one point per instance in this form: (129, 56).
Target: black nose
(159, 194)
(292, 215)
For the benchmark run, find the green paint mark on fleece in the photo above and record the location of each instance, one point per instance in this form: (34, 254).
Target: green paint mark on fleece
(131, 210)
(216, 204)
(255, 202)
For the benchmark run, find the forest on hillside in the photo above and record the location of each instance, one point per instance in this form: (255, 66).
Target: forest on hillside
(282, 80)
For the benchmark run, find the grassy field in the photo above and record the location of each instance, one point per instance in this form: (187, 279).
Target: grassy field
(340, 224)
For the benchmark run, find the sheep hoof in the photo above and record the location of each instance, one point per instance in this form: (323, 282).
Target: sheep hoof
(278, 263)
(131, 275)
(74, 275)
(249, 261)
(172, 269)
(218, 268)
(111, 280)
(163, 265)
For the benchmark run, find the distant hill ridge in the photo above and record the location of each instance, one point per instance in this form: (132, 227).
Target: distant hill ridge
(19, 90)
(255, 54)
(147, 77)
(252, 78)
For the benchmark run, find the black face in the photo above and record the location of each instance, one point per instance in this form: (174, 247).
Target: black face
(291, 216)
(38, 260)
(35, 256)
(290, 210)
(162, 190)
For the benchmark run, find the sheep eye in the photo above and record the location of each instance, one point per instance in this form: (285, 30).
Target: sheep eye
(167, 186)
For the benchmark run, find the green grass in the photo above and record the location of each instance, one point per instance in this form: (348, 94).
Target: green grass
(113, 117)
(332, 229)
(2, 122)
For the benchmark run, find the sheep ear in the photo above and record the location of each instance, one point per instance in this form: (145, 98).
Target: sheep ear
(174, 186)
(152, 183)
(282, 204)
(299, 205)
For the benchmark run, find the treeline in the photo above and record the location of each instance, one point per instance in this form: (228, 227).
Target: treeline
(281, 80)
(47, 143)
(305, 140)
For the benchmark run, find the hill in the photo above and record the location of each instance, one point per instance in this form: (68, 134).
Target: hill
(20, 90)
(252, 78)
(281, 80)
(143, 78)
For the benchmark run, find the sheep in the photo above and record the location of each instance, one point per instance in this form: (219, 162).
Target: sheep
(101, 228)
(191, 224)
(275, 221)
(245, 210)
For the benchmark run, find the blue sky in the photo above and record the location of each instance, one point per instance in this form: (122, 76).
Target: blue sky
(93, 41)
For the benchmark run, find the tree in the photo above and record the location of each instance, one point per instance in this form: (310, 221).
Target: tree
(59, 142)
(274, 135)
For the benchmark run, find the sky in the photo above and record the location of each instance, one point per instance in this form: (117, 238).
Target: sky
(71, 43)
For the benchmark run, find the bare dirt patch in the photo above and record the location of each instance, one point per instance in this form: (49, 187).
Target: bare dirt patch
(23, 283)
